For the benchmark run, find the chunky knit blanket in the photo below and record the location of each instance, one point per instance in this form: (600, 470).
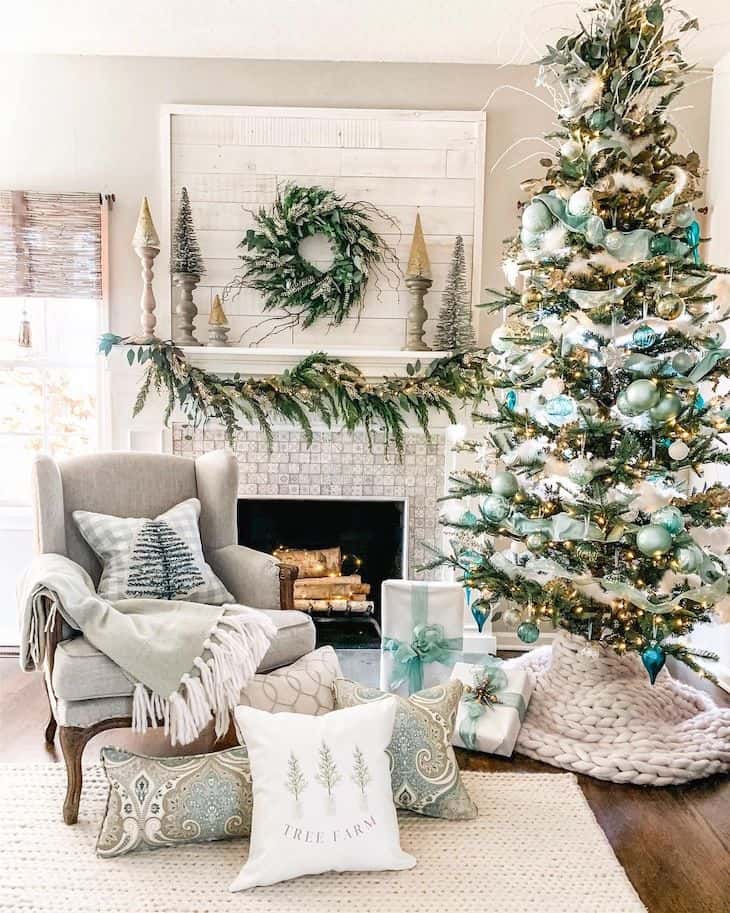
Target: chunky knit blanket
(188, 661)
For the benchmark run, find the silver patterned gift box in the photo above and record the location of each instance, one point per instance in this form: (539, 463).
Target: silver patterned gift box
(492, 707)
(423, 630)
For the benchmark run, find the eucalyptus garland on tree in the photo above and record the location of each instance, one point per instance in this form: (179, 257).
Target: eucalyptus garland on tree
(608, 363)
(273, 264)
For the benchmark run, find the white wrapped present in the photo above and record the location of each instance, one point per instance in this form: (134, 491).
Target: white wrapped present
(491, 712)
(423, 633)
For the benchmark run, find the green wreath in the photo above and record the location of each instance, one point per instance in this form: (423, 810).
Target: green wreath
(273, 264)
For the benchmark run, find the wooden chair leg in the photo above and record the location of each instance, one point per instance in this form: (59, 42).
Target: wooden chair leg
(50, 733)
(72, 742)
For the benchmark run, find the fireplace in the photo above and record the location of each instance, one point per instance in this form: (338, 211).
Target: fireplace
(345, 549)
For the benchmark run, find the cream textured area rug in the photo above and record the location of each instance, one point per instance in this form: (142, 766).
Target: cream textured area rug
(535, 848)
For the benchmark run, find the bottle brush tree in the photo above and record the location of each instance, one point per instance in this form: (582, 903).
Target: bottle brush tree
(608, 405)
(186, 254)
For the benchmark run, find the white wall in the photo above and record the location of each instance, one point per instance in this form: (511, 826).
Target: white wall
(92, 123)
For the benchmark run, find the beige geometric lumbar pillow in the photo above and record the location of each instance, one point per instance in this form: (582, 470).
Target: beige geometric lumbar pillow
(156, 802)
(322, 796)
(160, 558)
(303, 687)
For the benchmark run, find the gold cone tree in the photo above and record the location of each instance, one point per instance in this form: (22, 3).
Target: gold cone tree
(606, 368)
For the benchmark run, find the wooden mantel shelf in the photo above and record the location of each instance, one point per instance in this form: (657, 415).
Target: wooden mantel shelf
(262, 361)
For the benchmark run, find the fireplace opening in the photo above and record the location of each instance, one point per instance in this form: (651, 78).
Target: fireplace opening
(344, 549)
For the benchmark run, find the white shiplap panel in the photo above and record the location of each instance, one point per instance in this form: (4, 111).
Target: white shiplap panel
(404, 162)
(394, 163)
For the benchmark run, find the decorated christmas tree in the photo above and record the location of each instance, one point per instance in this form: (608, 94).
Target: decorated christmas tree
(587, 510)
(186, 255)
(455, 331)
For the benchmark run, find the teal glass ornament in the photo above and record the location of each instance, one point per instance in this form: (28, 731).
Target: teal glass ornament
(495, 508)
(670, 518)
(479, 614)
(643, 336)
(560, 409)
(653, 658)
(683, 363)
(528, 632)
(468, 519)
(642, 395)
(653, 540)
(511, 400)
(660, 244)
(692, 236)
(469, 559)
(699, 403)
(505, 484)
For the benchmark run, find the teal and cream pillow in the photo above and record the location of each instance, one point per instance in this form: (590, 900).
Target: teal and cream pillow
(160, 558)
(423, 767)
(156, 802)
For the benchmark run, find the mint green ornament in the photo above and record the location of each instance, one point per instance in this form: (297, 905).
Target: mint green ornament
(624, 407)
(668, 407)
(505, 484)
(642, 395)
(683, 362)
(495, 508)
(653, 540)
(536, 217)
(528, 632)
(671, 518)
(539, 333)
(688, 559)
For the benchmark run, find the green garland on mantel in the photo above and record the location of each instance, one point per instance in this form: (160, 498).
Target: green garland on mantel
(333, 390)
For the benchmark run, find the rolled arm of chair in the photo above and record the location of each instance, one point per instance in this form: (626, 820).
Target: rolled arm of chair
(254, 578)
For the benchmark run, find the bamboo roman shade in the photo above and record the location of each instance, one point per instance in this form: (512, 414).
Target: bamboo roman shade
(50, 245)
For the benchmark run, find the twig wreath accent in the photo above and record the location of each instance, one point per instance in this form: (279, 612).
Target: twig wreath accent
(273, 264)
(319, 385)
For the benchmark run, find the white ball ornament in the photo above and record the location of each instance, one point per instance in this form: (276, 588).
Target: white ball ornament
(612, 241)
(580, 471)
(581, 202)
(688, 560)
(505, 484)
(499, 341)
(684, 216)
(678, 450)
(536, 217)
(571, 150)
(553, 386)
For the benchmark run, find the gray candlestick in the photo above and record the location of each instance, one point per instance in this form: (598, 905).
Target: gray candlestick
(186, 311)
(418, 286)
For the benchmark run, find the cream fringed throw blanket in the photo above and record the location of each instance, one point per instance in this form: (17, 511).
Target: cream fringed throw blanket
(188, 661)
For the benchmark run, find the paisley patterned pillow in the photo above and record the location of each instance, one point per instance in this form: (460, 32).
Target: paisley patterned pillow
(156, 802)
(423, 767)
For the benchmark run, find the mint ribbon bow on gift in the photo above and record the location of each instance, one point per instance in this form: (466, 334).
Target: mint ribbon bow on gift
(428, 645)
(490, 680)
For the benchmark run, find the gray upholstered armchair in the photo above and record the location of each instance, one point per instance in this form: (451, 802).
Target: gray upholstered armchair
(87, 692)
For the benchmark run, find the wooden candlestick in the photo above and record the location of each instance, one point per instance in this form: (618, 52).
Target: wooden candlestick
(418, 282)
(146, 244)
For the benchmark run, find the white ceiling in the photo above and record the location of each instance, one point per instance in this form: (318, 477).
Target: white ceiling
(455, 31)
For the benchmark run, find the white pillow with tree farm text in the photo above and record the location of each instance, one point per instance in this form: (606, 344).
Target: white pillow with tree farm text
(322, 798)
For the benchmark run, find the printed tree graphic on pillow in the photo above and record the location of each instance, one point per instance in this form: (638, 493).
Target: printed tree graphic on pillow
(361, 774)
(327, 775)
(162, 565)
(296, 782)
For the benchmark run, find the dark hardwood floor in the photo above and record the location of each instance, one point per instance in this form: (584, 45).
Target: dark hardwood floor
(674, 843)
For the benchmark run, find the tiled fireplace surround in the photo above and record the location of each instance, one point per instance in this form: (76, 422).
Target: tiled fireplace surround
(339, 465)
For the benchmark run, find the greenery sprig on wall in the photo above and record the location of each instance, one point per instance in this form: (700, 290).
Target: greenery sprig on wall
(330, 389)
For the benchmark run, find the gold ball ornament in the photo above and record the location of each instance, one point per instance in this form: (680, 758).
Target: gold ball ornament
(669, 307)
(531, 298)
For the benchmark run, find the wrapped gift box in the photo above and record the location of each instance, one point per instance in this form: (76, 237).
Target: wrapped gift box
(423, 630)
(490, 724)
